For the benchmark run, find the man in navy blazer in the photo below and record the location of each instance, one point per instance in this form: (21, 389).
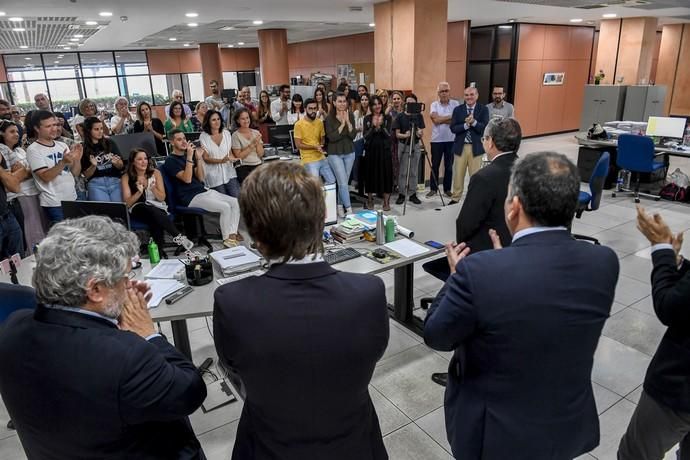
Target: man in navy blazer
(86, 375)
(303, 339)
(468, 123)
(524, 322)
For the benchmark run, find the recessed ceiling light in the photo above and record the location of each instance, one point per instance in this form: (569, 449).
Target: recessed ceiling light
(27, 58)
(240, 43)
(66, 48)
(60, 55)
(576, 20)
(186, 44)
(16, 19)
(192, 24)
(91, 23)
(105, 14)
(80, 44)
(505, 27)
(372, 24)
(511, 20)
(172, 39)
(609, 15)
(74, 39)
(78, 36)
(2, 13)
(192, 15)
(23, 47)
(258, 22)
(18, 29)
(231, 46)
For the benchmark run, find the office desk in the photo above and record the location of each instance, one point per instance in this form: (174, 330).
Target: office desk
(597, 143)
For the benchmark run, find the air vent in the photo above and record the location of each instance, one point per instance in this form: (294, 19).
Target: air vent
(73, 26)
(355, 9)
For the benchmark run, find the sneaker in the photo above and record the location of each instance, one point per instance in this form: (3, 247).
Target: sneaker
(348, 211)
(431, 193)
(414, 199)
(400, 200)
(230, 243)
(341, 212)
(183, 241)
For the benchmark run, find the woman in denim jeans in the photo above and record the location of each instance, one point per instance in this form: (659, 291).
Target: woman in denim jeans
(341, 132)
(101, 168)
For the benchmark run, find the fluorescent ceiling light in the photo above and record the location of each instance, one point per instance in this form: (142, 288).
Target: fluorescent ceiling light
(231, 46)
(576, 20)
(609, 15)
(56, 62)
(258, 22)
(16, 19)
(512, 20)
(105, 14)
(80, 44)
(74, 39)
(240, 43)
(27, 58)
(18, 29)
(186, 44)
(2, 13)
(78, 36)
(372, 24)
(66, 48)
(172, 39)
(505, 27)
(192, 15)
(192, 24)
(23, 47)
(91, 23)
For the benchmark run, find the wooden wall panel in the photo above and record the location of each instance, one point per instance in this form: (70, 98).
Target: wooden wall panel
(456, 64)
(455, 76)
(382, 37)
(669, 49)
(552, 99)
(655, 58)
(190, 61)
(635, 50)
(527, 92)
(607, 50)
(246, 59)
(577, 74)
(364, 47)
(163, 61)
(580, 43)
(680, 101)
(531, 43)
(556, 42)
(593, 60)
(323, 51)
(3, 72)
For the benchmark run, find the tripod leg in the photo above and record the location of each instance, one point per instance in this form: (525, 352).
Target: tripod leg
(435, 176)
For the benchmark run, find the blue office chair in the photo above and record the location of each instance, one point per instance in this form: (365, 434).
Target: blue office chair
(636, 154)
(189, 214)
(590, 201)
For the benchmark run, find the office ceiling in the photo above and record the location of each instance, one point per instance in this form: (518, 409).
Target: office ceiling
(50, 24)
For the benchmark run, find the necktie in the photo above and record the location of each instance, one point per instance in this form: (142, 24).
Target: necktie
(468, 137)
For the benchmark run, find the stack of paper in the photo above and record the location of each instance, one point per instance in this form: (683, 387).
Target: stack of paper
(235, 260)
(162, 289)
(241, 276)
(167, 269)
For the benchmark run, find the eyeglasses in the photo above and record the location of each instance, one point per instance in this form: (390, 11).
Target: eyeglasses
(444, 91)
(485, 138)
(15, 113)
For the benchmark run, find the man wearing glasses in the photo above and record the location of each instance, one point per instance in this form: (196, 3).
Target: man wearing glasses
(281, 106)
(177, 96)
(442, 139)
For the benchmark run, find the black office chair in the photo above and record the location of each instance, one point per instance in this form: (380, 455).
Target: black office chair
(125, 143)
(590, 201)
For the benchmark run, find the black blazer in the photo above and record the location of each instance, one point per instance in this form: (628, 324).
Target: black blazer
(457, 126)
(304, 339)
(76, 386)
(524, 322)
(669, 372)
(483, 207)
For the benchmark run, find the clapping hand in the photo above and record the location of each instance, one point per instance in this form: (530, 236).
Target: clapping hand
(495, 239)
(135, 316)
(653, 227)
(469, 119)
(455, 253)
(117, 161)
(93, 160)
(77, 151)
(140, 187)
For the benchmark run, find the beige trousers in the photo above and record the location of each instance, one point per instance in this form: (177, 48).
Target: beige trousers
(462, 163)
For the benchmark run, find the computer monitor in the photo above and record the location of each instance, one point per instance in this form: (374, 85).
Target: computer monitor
(228, 95)
(279, 135)
(293, 144)
(331, 197)
(666, 127)
(116, 211)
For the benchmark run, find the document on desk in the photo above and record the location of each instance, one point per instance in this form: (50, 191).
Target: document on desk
(162, 289)
(166, 269)
(407, 248)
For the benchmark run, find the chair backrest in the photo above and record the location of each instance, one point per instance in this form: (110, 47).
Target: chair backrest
(596, 182)
(15, 297)
(169, 184)
(125, 143)
(635, 153)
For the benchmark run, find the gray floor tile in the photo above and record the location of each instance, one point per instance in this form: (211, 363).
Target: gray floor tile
(390, 417)
(622, 242)
(613, 424)
(405, 380)
(217, 444)
(634, 396)
(4, 418)
(617, 367)
(617, 307)
(629, 291)
(203, 423)
(637, 268)
(604, 398)
(584, 227)
(635, 329)
(11, 449)
(645, 305)
(398, 341)
(434, 424)
(585, 457)
(411, 443)
(600, 218)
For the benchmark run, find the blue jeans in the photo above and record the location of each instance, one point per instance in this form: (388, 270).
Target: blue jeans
(230, 188)
(105, 189)
(442, 151)
(321, 169)
(54, 214)
(11, 239)
(342, 167)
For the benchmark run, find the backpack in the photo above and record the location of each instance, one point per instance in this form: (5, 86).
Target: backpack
(673, 192)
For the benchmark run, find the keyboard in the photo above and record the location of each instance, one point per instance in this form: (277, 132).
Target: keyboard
(341, 255)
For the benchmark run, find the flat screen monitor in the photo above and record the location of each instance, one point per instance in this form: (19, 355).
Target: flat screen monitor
(279, 135)
(331, 197)
(666, 127)
(116, 211)
(293, 145)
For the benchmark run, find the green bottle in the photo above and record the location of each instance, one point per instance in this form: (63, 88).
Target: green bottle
(390, 230)
(154, 256)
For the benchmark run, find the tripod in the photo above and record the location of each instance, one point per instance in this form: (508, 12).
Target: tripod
(413, 131)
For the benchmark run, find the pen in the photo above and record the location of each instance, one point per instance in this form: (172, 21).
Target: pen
(177, 296)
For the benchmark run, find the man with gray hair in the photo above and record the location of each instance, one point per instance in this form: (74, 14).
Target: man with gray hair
(524, 322)
(442, 139)
(86, 375)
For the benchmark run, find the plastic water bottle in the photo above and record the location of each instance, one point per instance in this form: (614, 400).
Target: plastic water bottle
(390, 230)
(154, 256)
(380, 229)
(620, 180)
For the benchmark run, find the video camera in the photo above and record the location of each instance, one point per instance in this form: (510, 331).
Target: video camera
(415, 108)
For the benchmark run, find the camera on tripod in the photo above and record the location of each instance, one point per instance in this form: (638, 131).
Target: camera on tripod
(414, 108)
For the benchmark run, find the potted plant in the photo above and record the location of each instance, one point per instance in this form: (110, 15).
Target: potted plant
(598, 77)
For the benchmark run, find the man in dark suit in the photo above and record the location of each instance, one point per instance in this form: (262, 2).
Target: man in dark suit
(301, 340)
(524, 322)
(468, 123)
(86, 375)
(662, 417)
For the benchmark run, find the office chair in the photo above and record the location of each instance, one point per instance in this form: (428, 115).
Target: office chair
(188, 214)
(590, 201)
(636, 154)
(15, 297)
(125, 143)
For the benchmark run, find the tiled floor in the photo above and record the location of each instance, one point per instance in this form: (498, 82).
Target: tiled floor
(409, 405)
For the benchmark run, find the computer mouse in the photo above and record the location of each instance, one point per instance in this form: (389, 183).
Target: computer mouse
(379, 253)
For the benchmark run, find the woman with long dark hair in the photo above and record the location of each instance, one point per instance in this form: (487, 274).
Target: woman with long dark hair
(264, 109)
(218, 158)
(148, 124)
(378, 164)
(323, 108)
(178, 119)
(247, 144)
(341, 132)
(101, 168)
(296, 109)
(143, 192)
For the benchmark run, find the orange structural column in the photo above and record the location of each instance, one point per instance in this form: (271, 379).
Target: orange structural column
(211, 68)
(273, 56)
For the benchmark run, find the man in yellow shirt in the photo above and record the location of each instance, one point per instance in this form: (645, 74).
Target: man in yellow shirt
(309, 137)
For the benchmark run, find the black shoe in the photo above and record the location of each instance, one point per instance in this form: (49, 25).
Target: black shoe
(400, 200)
(10, 425)
(414, 199)
(453, 202)
(440, 377)
(448, 194)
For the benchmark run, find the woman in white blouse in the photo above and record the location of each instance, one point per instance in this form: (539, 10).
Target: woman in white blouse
(220, 172)
(296, 110)
(247, 144)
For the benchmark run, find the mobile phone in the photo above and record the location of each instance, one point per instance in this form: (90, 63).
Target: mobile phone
(434, 244)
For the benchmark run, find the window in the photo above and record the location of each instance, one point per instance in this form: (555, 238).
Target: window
(103, 91)
(65, 94)
(24, 67)
(230, 80)
(23, 93)
(163, 86)
(131, 63)
(97, 64)
(5, 92)
(192, 87)
(136, 89)
(61, 65)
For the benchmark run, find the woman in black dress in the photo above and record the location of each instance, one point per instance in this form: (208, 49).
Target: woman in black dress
(378, 162)
(146, 123)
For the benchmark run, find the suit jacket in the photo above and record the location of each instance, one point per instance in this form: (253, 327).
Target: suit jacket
(304, 339)
(524, 322)
(76, 386)
(457, 126)
(669, 372)
(483, 207)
